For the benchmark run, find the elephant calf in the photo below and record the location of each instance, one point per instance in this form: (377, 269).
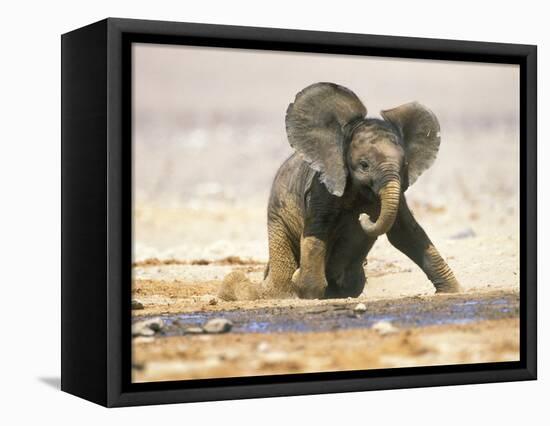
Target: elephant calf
(342, 188)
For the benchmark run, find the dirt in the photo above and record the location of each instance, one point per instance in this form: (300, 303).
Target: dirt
(300, 336)
(203, 166)
(184, 250)
(173, 297)
(234, 354)
(336, 314)
(229, 260)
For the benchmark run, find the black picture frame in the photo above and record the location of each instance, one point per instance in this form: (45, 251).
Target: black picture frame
(96, 211)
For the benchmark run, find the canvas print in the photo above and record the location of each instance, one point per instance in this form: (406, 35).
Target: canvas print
(302, 213)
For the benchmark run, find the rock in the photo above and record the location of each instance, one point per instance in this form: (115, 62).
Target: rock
(384, 328)
(156, 324)
(141, 330)
(136, 304)
(360, 308)
(217, 325)
(147, 327)
(213, 301)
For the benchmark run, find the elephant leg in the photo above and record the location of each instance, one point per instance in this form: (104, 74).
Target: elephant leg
(345, 272)
(350, 283)
(320, 217)
(282, 264)
(409, 237)
(310, 281)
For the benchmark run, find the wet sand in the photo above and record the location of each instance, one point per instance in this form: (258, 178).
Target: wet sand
(339, 314)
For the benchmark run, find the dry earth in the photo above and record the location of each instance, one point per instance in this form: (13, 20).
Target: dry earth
(479, 242)
(205, 156)
(232, 354)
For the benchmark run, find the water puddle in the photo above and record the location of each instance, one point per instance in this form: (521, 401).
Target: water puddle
(409, 313)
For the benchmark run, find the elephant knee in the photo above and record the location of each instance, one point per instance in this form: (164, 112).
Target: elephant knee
(308, 286)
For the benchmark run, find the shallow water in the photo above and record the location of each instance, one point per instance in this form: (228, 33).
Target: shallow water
(406, 313)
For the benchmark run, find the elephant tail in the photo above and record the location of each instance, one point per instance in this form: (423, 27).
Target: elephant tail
(237, 286)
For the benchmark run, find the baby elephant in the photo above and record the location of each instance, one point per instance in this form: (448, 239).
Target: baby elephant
(342, 188)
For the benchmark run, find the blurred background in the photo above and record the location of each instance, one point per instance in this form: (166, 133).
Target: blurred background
(209, 135)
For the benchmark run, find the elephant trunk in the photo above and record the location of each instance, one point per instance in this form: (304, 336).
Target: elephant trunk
(389, 200)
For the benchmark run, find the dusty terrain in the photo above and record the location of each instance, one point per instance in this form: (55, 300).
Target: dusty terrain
(183, 252)
(203, 164)
(232, 354)
(425, 329)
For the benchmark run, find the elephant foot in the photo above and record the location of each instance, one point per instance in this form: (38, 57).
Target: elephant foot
(308, 286)
(237, 286)
(448, 287)
(280, 289)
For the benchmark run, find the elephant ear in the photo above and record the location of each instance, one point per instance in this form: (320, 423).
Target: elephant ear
(419, 129)
(315, 125)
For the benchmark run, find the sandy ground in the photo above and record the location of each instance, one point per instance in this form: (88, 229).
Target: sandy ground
(185, 278)
(183, 250)
(204, 159)
(231, 355)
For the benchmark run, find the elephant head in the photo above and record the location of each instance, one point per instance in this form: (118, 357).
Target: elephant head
(327, 126)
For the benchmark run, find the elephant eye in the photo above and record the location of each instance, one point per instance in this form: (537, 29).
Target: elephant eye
(364, 165)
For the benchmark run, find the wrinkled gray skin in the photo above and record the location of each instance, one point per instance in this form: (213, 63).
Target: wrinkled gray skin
(344, 187)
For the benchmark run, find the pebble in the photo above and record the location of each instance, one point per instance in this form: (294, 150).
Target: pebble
(155, 324)
(360, 308)
(142, 331)
(136, 304)
(217, 325)
(147, 327)
(384, 328)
